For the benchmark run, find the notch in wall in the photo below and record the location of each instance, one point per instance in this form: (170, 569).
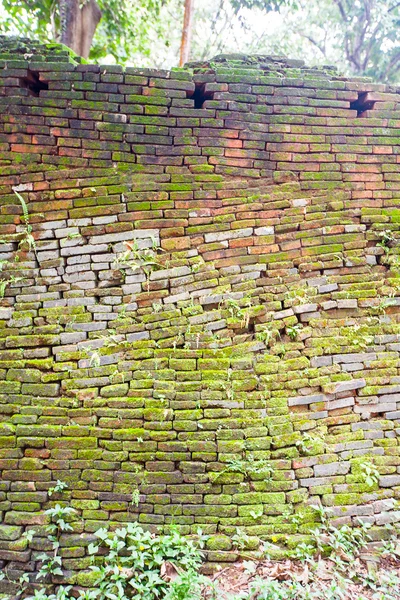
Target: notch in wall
(362, 103)
(33, 83)
(200, 95)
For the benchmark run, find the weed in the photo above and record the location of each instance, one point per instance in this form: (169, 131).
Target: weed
(94, 360)
(309, 443)
(240, 539)
(391, 548)
(358, 336)
(381, 307)
(4, 283)
(135, 259)
(267, 333)
(157, 307)
(247, 467)
(371, 473)
(344, 541)
(117, 376)
(300, 295)
(238, 313)
(58, 488)
(257, 513)
(28, 237)
(135, 497)
(139, 564)
(294, 330)
(386, 239)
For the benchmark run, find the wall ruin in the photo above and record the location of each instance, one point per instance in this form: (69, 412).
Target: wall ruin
(200, 301)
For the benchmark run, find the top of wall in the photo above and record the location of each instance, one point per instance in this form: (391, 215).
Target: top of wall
(229, 67)
(257, 99)
(17, 48)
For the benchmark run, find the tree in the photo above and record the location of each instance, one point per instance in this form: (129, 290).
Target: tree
(78, 24)
(92, 28)
(186, 32)
(236, 5)
(359, 37)
(370, 33)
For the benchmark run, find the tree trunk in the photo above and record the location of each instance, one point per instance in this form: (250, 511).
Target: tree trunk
(78, 24)
(186, 32)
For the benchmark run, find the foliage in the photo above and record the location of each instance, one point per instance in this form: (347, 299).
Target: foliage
(126, 27)
(332, 577)
(265, 5)
(142, 565)
(137, 564)
(369, 35)
(238, 313)
(240, 539)
(310, 444)
(271, 589)
(339, 542)
(386, 239)
(370, 473)
(135, 498)
(294, 330)
(51, 564)
(4, 283)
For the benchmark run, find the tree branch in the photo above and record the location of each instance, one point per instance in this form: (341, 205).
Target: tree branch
(395, 59)
(340, 6)
(322, 49)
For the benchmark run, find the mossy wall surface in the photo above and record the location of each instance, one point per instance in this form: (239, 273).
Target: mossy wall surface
(209, 316)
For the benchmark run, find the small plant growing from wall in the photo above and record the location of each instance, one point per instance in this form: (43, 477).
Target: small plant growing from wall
(312, 443)
(293, 331)
(139, 259)
(246, 466)
(387, 238)
(27, 237)
(24, 239)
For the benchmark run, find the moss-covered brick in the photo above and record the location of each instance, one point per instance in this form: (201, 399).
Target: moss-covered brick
(24, 375)
(10, 532)
(219, 542)
(260, 498)
(40, 389)
(15, 518)
(182, 365)
(29, 341)
(109, 391)
(47, 431)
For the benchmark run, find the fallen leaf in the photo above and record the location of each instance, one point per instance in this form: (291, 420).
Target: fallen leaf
(323, 571)
(281, 571)
(304, 575)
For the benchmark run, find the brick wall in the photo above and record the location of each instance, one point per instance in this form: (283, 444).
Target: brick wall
(201, 305)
